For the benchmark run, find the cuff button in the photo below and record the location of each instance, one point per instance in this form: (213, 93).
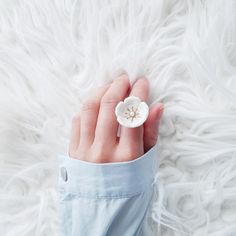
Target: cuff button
(64, 175)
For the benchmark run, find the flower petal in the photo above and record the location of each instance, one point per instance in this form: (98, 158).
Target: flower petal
(132, 100)
(144, 110)
(120, 107)
(123, 112)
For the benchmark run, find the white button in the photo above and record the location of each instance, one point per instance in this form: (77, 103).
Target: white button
(64, 175)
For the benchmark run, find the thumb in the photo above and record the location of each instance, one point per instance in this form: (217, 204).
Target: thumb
(151, 126)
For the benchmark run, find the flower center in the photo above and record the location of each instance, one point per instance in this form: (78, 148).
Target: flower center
(131, 113)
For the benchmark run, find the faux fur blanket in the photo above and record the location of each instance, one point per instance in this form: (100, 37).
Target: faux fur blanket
(53, 51)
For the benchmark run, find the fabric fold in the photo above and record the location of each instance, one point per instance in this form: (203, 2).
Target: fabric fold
(114, 179)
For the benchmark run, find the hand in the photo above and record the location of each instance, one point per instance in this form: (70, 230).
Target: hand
(94, 131)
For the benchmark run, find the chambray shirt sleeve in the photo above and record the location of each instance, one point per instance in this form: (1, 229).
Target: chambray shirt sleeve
(105, 199)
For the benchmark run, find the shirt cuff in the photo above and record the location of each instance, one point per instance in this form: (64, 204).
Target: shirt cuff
(113, 179)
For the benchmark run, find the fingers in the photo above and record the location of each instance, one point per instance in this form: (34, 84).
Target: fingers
(89, 115)
(107, 125)
(134, 136)
(151, 126)
(75, 135)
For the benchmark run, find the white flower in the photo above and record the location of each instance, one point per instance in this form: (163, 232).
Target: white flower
(131, 112)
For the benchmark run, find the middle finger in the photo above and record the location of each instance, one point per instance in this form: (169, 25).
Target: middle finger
(134, 136)
(107, 125)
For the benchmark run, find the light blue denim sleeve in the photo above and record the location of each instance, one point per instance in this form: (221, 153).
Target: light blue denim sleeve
(105, 199)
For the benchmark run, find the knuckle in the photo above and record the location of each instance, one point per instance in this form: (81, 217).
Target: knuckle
(108, 100)
(99, 159)
(89, 105)
(153, 138)
(130, 151)
(99, 154)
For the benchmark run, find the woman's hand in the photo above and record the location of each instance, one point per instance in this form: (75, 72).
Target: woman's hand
(94, 130)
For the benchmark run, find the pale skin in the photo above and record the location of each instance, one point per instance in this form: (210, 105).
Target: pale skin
(94, 130)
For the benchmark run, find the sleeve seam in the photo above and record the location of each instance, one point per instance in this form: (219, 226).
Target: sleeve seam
(69, 196)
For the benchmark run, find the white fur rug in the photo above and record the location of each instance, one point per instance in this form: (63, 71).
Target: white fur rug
(52, 51)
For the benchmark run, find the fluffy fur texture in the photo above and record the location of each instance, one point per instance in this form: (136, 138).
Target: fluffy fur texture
(52, 52)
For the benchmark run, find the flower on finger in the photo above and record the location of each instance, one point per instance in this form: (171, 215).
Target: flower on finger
(131, 112)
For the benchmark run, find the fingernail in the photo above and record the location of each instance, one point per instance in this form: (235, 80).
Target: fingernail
(123, 76)
(161, 109)
(141, 78)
